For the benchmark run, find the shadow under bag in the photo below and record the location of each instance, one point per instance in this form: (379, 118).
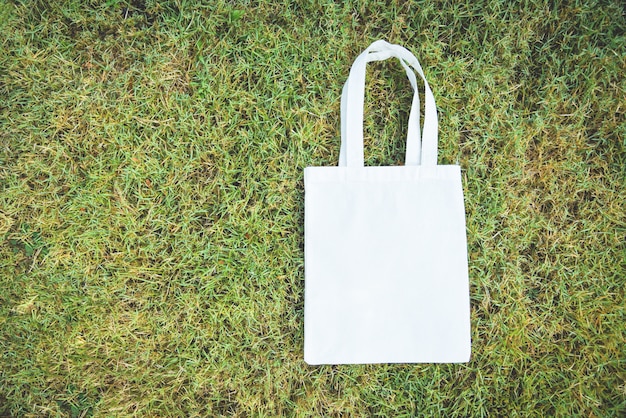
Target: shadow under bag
(386, 275)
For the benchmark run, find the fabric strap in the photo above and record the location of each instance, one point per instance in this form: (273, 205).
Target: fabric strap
(418, 150)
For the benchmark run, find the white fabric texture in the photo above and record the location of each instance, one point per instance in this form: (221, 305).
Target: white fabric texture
(386, 272)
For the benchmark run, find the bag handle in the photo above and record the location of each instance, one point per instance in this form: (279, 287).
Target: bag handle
(413, 146)
(352, 100)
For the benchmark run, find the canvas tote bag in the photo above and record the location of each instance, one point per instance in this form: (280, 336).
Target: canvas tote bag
(386, 274)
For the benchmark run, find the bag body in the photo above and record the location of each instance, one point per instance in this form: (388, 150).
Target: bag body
(386, 271)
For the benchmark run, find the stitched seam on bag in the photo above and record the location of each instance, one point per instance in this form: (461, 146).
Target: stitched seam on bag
(306, 221)
(339, 175)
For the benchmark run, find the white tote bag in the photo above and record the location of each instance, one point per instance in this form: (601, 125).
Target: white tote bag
(386, 275)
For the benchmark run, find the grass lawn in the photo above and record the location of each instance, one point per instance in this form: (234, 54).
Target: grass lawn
(151, 203)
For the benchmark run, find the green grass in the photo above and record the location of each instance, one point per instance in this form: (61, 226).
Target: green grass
(151, 203)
